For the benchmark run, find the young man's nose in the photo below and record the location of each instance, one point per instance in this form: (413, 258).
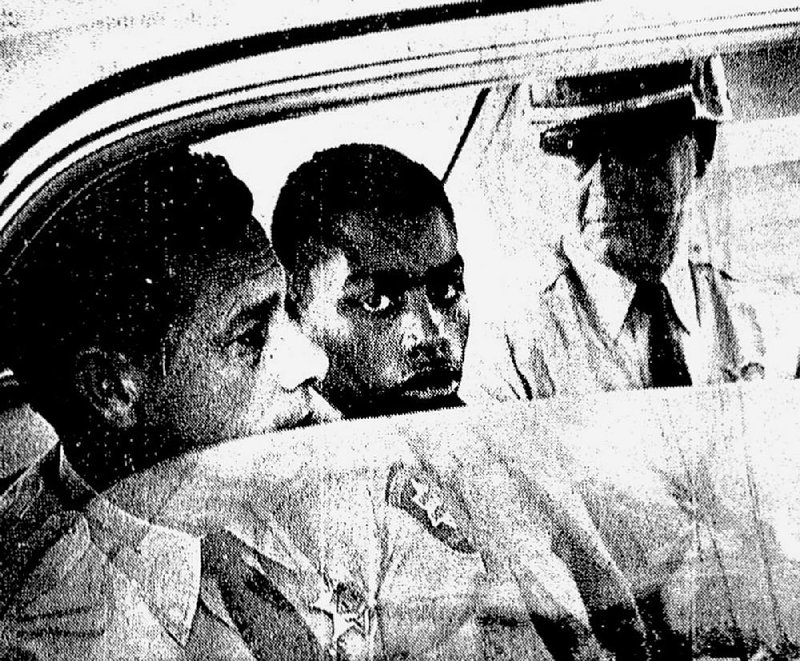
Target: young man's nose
(297, 359)
(421, 322)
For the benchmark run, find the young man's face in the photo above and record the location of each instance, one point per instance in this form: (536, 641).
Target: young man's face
(236, 365)
(391, 313)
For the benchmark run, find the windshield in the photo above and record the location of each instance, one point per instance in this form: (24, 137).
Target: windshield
(515, 203)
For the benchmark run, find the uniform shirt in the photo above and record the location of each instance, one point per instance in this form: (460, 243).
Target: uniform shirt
(377, 552)
(607, 310)
(82, 578)
(581, 335)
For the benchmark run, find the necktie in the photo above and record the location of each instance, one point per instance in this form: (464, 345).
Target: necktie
(667, 364)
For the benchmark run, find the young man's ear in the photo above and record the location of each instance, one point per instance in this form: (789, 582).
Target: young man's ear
(111, 384)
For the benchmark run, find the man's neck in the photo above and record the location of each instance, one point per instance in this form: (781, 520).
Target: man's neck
(102, 457)
(645, 271)
(634, 267)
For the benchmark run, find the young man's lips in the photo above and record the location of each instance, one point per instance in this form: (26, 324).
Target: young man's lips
(431, 383)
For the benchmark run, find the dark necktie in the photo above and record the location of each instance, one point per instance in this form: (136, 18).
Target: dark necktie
(667, 364)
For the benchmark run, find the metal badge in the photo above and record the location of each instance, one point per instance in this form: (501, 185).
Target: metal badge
(347, 608)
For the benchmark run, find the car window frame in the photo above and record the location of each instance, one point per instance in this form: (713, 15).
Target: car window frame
(85, 145)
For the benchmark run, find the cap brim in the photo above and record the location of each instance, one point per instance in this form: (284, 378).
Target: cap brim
(555, 114)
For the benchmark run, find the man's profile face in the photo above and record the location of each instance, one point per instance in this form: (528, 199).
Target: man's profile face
(235, 364)
(389, 308)
(645, 180)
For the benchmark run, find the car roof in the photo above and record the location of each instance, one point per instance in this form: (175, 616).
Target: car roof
(50, 51)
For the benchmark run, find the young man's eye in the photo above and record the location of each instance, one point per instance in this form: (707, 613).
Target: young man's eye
(376, 303)
(447, 293)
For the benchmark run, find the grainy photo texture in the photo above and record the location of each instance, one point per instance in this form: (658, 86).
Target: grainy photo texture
(399, 330)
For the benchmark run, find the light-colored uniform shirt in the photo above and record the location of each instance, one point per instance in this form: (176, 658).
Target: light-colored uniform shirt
(82, 578)
(382, 556)
(582, 335)
(609, 295)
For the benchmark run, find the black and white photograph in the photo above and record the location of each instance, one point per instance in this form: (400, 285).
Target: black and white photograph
(403, 329)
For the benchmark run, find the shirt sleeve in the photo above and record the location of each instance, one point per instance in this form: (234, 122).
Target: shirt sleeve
(504, 364)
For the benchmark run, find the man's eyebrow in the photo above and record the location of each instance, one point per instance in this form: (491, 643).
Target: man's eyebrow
(455, 264)
(256, 311)
(379, 275)
(398, 277)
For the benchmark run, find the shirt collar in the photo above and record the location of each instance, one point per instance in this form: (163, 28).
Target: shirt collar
(610, 294)
(679, 284)
(165, 563)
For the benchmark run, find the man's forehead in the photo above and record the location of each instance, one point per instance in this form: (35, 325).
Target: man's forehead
(234, 279)
(405, 244)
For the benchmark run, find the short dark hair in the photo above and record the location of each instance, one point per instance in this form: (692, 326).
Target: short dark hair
(104, 270)
(372, 180)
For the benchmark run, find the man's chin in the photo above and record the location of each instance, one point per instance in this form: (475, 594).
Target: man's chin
(431, 403)
(430, 392)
